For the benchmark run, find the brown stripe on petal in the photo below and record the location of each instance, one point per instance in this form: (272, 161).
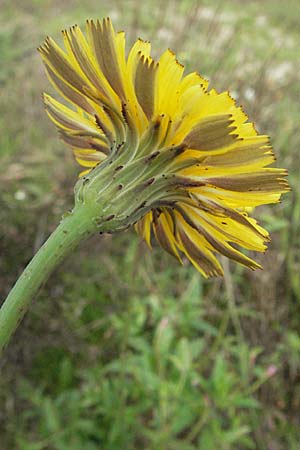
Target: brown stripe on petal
(212, 133)
(74, 141)
(230, 252)
(89, 133)
(65, 120)
(83, 60)
(55, 57)
(96, 156)
(248, 182)
(69, 92)
(215, 209)
(145, 84)
(104, 40)
(84, 142)
(223, 248)
(161, 235)
(99, 147)
(198, 256)
(246, 152)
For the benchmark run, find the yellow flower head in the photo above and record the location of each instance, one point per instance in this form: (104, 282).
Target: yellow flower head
(179, 161)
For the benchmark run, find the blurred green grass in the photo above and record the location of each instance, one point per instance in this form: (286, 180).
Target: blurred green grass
(123, 349)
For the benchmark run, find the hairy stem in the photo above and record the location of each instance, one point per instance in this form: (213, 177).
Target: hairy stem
(74, 227)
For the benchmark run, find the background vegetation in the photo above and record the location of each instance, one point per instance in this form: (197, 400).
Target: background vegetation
(124, 349)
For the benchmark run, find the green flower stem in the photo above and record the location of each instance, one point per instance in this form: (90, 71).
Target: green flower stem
(74, 227)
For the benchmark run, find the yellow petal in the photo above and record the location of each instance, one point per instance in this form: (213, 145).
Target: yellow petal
(169, 75)
(164, 232)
